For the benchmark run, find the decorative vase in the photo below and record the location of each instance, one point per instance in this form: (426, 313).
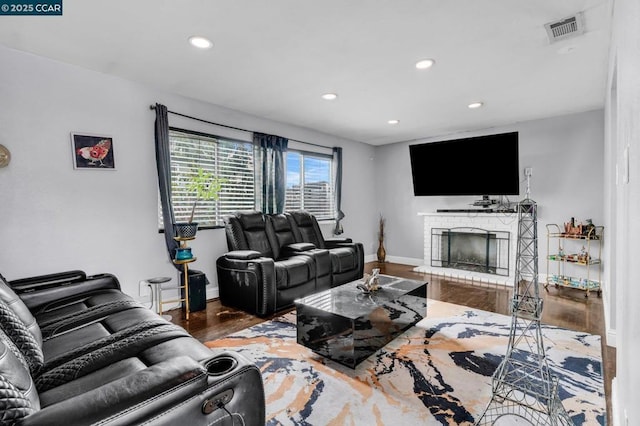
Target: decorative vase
(186, 229)
(382, 253)
(183, 253)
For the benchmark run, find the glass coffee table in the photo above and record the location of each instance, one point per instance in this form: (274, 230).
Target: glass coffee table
(346, 325)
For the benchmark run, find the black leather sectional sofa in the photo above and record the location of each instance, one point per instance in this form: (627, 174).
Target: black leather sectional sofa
(75, 350)
(274, 259)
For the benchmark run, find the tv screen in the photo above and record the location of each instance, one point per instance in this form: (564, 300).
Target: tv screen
(480, 165)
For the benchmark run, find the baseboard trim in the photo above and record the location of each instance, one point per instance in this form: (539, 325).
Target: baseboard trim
(370, 258)
(405, 260)
(213, 293)
(395, 259)
(460, 274)
(611, 338)
(615, 408)
(610, 333)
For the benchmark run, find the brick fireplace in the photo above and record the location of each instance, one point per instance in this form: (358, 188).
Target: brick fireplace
(472, 246)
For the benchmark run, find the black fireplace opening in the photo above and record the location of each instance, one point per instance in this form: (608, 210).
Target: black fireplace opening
(471, 249)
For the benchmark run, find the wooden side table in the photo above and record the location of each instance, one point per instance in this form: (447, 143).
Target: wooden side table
(185, 273)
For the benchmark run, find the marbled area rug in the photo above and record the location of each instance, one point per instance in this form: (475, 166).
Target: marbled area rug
(437, 372)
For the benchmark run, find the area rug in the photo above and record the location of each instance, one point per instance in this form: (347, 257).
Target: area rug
(437, 372)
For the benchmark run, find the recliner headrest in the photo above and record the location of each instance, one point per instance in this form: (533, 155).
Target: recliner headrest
(302, 218)
(17, 390)
(8, 296)
(252, 221)
(280, 222)
(22, 338)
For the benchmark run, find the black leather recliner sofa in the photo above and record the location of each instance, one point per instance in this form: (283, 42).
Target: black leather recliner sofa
(75, 350)
(275, 259)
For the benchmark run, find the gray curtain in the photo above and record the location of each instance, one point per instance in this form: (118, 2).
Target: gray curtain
(270, 172)
(337, 191)
(163, 162)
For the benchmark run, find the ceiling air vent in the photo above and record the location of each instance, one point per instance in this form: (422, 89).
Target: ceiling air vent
(572, 26)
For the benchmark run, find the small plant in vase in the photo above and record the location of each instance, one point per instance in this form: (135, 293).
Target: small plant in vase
(205, 186)
(382, 254)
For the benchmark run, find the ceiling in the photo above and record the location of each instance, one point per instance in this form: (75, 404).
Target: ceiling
(274, 59)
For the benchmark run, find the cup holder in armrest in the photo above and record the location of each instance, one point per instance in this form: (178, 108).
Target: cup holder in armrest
(220, 365)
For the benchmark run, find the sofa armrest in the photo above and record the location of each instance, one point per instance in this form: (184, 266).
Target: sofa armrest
(243, 254)
(336, 242)
(35, 293)
(235, 396)
(44, 281)
(297, 248)
(249, 284)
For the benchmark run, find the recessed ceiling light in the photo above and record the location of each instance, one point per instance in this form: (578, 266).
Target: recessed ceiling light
(475, 105)
(393, 121)
(329, 96)
(425, 63)
(200, 42)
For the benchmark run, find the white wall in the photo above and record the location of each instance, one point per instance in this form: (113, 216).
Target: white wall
(565, 154)
(56, 218)
(623, 111)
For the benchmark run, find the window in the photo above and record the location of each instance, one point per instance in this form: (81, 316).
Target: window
(310, 184)
(309, 178)
(231, 160)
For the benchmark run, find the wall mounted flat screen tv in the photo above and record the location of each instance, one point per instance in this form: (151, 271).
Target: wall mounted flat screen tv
(480, 165)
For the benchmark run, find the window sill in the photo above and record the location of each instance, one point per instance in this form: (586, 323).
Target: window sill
(325, 221)
(200, 228)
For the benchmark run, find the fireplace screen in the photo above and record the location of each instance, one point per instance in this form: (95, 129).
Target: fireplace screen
(471, 249)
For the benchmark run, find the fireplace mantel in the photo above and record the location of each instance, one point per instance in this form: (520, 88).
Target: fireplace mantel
(502, 222)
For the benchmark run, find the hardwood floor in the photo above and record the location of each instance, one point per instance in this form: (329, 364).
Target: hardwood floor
(563, 307)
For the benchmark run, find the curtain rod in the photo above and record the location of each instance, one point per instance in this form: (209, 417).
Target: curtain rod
(153, 107)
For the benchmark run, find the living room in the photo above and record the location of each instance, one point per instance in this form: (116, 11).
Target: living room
(58, 218)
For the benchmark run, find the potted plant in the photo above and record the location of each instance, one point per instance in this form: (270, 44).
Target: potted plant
(205, 186)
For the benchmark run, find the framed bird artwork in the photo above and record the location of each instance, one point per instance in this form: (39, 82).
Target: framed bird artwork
(92, 151)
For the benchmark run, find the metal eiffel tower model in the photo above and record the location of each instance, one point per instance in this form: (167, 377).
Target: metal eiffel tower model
(522, 384)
